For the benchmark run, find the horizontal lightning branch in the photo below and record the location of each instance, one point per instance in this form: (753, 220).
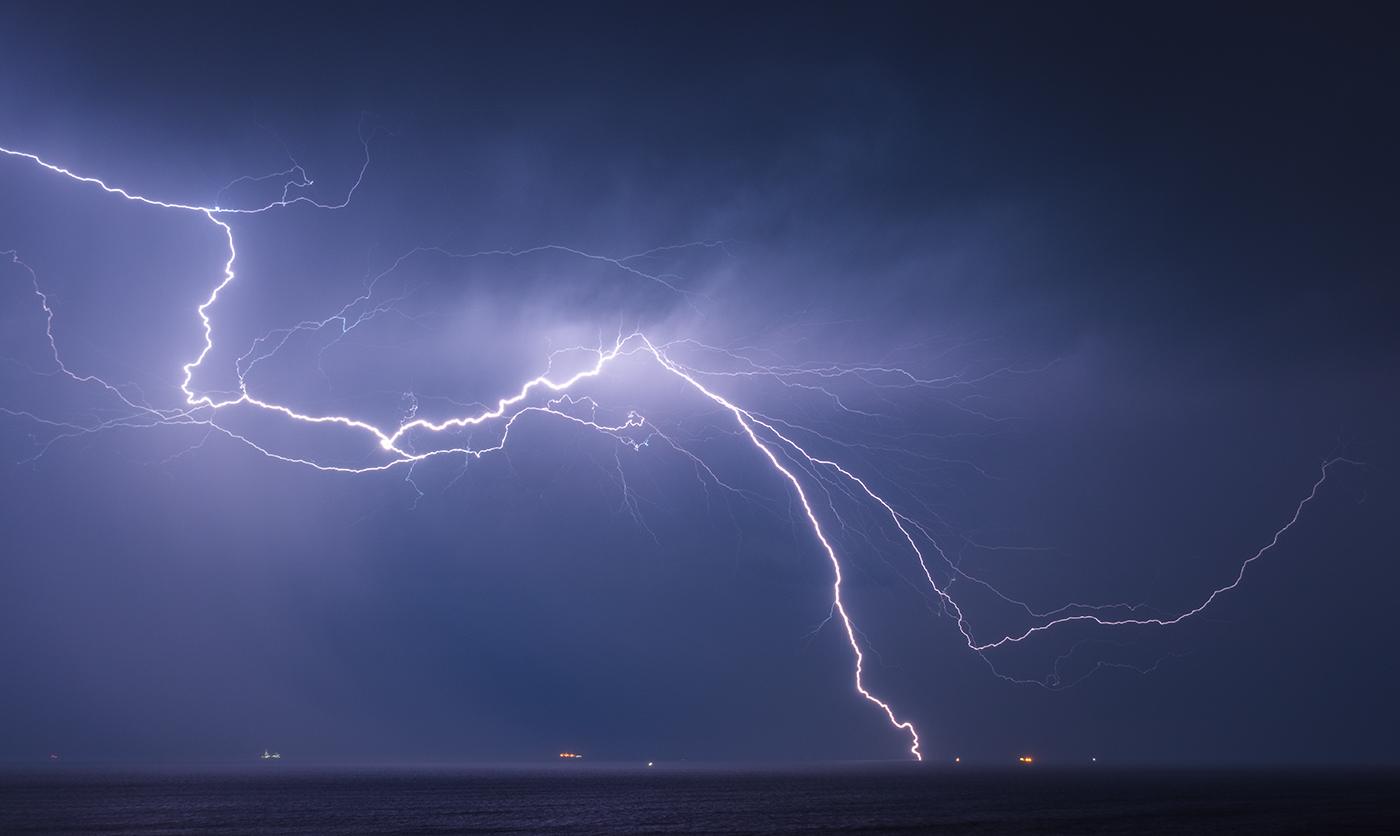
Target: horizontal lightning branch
(776, 442)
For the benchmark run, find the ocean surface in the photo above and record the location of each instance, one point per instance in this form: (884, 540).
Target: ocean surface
(281, 798)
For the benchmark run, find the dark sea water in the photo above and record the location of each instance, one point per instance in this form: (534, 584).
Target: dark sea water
(861, 799)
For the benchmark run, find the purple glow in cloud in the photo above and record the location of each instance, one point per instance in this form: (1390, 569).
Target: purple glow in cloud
(565, 395)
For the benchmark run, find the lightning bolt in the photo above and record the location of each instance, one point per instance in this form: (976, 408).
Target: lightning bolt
(808, 474)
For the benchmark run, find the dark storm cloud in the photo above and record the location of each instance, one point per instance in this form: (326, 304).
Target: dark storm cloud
(1179, 219)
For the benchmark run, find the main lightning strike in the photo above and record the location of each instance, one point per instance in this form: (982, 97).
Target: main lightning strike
(774, 440)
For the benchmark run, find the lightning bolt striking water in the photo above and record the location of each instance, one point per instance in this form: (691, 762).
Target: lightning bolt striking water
(808, 473)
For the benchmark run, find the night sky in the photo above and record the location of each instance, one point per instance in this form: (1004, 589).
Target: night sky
(1089, 293)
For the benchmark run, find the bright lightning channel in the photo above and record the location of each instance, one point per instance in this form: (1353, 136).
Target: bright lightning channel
(779, 448)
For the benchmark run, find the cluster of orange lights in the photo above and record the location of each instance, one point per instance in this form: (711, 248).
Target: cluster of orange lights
(1022, 760)
(569, 755)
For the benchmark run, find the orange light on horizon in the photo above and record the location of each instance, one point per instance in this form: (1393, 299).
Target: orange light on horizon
(569, 755)
(1025, 760)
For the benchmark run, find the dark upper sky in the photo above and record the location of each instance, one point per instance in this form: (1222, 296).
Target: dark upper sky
(1151, 250)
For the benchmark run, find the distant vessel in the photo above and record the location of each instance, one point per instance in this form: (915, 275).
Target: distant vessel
(273, 755)
(568, 755)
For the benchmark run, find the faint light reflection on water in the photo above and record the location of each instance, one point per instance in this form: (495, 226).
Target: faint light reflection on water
(691, 800)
